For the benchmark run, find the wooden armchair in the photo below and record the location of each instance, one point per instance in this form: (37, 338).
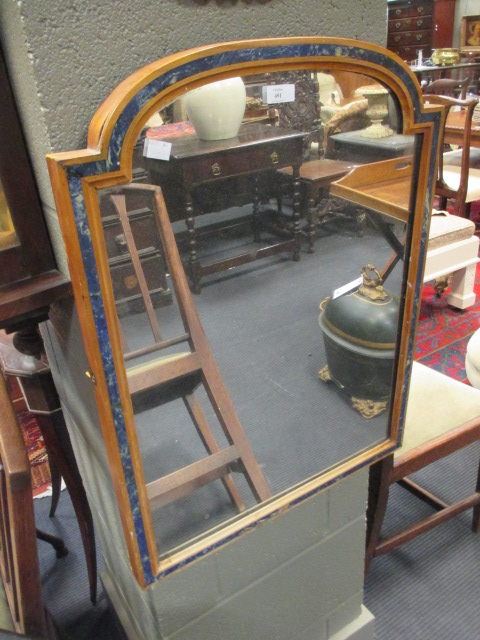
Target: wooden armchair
(456, 180)
(447, 87)
(443, 416)
(316, 173)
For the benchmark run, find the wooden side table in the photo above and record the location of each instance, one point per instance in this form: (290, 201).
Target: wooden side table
(257, 150)
(21, 358)
(351, 146)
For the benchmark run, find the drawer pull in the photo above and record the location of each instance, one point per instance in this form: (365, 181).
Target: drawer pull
(420, 9)
(398, 38)
(216, 169)
(274, 157)
(419, 23)
(398, 12)
(419, 37)
(121, 242)
(130, 282)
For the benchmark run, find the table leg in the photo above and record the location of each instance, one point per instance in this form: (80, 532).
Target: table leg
(297, 234)
(193, 261)
(310, 214)
(256, 210)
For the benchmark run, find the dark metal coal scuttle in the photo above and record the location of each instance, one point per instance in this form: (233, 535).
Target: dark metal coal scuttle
(359, 331)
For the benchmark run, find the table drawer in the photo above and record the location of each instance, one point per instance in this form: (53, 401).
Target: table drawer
(144, 230)
(272, 155)
(411, 53)
(126, 290)
(409, 38)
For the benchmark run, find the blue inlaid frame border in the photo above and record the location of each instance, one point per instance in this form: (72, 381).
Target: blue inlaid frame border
(77, 176)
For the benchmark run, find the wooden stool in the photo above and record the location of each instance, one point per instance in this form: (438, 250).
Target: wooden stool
(20, 358)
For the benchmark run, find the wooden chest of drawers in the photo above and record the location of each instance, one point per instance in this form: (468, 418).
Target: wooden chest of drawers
(126, 288)
(419, 25)
(410, 28)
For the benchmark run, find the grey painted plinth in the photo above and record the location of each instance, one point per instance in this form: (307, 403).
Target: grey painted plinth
(298, 575)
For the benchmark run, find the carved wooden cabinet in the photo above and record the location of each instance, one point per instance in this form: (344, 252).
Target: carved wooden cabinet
(29, 279)
(419, 25)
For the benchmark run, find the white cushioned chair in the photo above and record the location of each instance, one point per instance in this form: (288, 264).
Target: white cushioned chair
(452, 249)
(443, 416)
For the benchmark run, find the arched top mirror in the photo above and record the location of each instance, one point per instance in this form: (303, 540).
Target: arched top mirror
(246, 233)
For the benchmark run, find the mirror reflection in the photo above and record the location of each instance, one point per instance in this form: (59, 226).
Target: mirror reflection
(288, 196)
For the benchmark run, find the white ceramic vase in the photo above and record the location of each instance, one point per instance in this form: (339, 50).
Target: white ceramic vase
(216, 110)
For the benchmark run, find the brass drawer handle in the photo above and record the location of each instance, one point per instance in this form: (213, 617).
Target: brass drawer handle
(274, 157)
(216, 169)
(419, 37)
(419, 23)
(121, 242)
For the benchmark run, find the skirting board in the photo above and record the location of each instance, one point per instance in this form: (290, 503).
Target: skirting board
(362, 628)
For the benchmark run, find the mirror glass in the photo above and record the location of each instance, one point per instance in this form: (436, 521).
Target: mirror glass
(298, 284)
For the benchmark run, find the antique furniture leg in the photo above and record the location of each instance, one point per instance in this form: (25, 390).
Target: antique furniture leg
(56, 478)
(42, 401)
(310, 232)
(378, 489)
(56, 542)
(193, 262)
(256, 210)
(296, 212)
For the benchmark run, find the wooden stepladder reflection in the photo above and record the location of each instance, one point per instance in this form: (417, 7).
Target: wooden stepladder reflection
(178, 375)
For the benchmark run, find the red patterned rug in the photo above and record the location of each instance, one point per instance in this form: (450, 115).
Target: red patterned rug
(444, 331)
(37, 454)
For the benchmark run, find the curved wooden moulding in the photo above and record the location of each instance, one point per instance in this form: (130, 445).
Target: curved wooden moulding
(76, 178)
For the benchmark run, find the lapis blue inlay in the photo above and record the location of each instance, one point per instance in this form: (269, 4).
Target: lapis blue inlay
(75, 174)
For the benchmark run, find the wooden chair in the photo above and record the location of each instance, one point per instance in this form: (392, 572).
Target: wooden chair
(19, 565)
(456, 180)
(179, 375)
(452, 246)
(317, 172)
(443, 416)
(447, 87)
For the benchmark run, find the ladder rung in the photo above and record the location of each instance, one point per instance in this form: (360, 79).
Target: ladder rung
(181, 483)
(162, 370)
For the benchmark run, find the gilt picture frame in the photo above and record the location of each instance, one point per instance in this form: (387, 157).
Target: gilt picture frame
(470, 34)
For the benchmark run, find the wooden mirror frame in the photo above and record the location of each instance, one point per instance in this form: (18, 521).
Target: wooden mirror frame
(76, 178)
